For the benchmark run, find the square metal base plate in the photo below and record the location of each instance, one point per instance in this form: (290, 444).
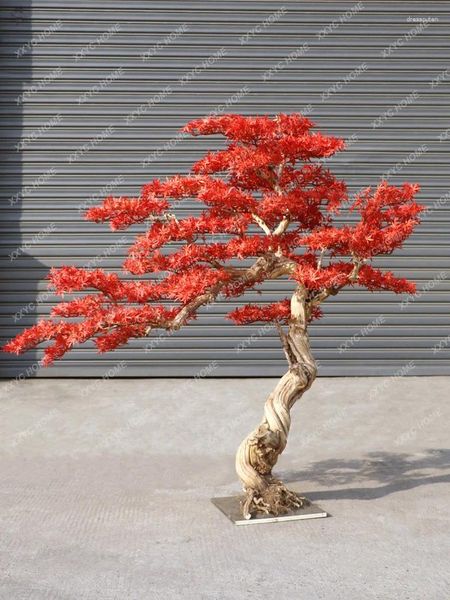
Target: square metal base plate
(231, 507)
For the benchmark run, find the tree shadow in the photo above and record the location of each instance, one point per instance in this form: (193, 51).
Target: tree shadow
(395, 472)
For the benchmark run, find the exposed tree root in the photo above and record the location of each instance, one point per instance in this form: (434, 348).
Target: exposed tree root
(276, 499)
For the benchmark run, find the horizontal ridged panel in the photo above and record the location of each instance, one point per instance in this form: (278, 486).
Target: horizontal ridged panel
(408, 333)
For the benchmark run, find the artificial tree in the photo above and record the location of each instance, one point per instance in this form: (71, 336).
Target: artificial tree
(281, 215)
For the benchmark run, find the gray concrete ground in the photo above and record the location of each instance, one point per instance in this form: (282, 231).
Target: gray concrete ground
(106, 486)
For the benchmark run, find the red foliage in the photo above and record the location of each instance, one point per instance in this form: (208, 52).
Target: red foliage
(334, 275)
(388, 215)
(123, 212)
(264, 204)
(374, 279)
(277, 311)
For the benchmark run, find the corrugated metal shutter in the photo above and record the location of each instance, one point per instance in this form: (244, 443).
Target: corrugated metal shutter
(40, 42)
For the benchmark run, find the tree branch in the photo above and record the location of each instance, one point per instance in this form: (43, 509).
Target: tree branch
(284, 343)
(261, 223)
(282, 226)
(333, 290)
(264, 264)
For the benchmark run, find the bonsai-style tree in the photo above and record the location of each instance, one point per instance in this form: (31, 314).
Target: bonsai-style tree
(277, 210)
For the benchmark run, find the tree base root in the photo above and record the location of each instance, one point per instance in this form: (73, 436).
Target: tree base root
(276, 499)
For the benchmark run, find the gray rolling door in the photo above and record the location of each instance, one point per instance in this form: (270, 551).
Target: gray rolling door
(45, 45)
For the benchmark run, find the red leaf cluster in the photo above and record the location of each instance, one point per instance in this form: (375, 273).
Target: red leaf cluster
(374, 279)
(313, 278)
(123, 212)
(388, 216)
(276, 311)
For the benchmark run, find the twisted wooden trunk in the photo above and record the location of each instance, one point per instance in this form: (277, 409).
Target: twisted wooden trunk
(259, 452)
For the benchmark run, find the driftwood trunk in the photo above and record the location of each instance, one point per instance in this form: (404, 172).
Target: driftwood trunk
(259, 452)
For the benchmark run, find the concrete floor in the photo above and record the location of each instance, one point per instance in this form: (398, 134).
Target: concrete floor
(106, 485)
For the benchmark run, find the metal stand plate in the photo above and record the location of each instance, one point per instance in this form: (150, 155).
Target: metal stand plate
(231, 507)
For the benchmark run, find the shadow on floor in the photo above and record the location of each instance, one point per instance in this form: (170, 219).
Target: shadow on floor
(394, 471)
